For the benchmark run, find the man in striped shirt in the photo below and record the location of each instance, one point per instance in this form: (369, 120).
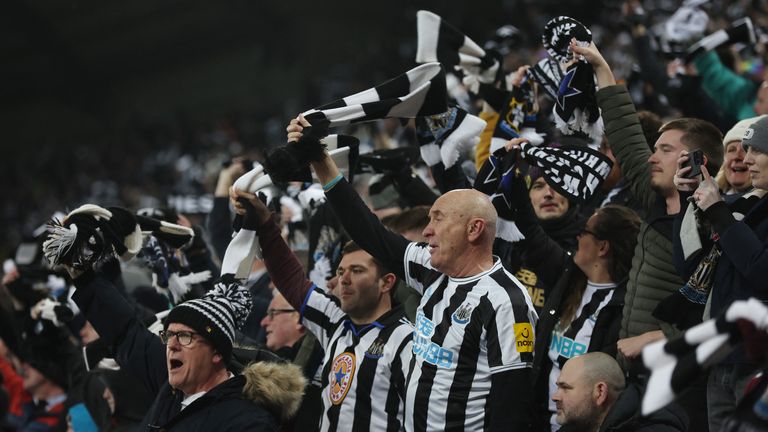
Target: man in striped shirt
(473, 342)
(367, 343)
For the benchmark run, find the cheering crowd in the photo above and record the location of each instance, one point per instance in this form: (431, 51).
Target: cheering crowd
(536, 243)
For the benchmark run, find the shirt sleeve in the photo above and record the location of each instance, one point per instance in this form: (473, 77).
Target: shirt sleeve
(510, 337)
(419, 273)
(365, 228)
(321, 314)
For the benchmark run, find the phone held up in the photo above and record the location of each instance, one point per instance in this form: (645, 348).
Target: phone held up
(695, 161)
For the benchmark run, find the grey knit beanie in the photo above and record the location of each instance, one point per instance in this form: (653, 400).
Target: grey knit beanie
(756, 135)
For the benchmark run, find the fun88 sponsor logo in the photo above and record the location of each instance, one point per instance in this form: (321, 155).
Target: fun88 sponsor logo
(424, 348)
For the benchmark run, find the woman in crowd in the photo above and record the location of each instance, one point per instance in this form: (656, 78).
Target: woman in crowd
(729, 261)
(582, 312)
(733, 179)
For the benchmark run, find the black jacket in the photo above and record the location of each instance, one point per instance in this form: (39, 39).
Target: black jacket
(223, 408)
(624, 416)
(554, 265)
(238, 404)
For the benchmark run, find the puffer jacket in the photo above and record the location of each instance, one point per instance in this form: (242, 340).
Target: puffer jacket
(258, 399)
(653, 276)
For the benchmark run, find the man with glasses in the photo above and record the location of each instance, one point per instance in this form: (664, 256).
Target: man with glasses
(187, 368)
(282, 324)
(367, 343)
(288, 338)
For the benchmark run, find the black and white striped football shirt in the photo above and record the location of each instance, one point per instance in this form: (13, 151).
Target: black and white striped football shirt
(364, 369)
(466, 330)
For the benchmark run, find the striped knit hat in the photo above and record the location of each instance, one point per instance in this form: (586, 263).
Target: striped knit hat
(216, 315)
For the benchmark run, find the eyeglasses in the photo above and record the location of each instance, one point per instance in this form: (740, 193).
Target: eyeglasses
(272, 312)
(586, 230)
(182, 337)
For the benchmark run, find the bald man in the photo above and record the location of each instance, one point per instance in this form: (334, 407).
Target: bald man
(591, 397)
(473, 336)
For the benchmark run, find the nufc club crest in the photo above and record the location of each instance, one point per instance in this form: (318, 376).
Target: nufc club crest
(376, 350)
(463, 313)
(342, 372)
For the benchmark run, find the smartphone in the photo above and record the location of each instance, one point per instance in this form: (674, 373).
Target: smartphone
(695, 161)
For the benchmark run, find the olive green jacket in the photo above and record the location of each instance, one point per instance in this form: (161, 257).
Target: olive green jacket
(652, 276)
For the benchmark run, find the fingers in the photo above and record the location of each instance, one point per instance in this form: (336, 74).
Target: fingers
(515, 143)
(681, 179)
(682, 171)
(590, 53)
(704, 172)
(295, 129)
(517, 78)
(233, 196)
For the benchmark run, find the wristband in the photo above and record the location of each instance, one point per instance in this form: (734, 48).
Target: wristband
(332, 183)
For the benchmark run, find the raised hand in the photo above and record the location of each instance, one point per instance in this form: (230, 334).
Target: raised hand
(592, 55)
(707, 193)
(296, 127)
(682, 182)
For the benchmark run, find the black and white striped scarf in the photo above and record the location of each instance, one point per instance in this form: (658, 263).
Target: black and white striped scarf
(91, 234)
(573, 90)
(495, 180)
(244, 247)
(419, 92)
(548, 74)
(439, 41)
(677, 363)
(576, 172)
(444, 137)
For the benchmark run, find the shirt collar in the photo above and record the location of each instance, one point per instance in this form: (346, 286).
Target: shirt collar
(388, 318)
(187, 401)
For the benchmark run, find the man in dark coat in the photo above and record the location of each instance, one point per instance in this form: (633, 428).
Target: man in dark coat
(187, 367)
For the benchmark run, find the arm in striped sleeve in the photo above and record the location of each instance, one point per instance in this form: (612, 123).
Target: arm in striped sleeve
(361, 225)
(366, 229)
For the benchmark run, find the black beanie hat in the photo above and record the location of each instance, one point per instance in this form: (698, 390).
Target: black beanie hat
(216, 315)
(48, 352)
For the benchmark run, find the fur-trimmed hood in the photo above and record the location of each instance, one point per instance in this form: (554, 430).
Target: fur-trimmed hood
(278, 387)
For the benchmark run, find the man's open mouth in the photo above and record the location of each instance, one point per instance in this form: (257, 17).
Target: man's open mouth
(175, 364)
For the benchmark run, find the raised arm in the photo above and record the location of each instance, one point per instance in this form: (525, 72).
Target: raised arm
(731, 91)
(359, 222)
(283, 267)
(137, 350)
(546, 257)
(622, 127)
